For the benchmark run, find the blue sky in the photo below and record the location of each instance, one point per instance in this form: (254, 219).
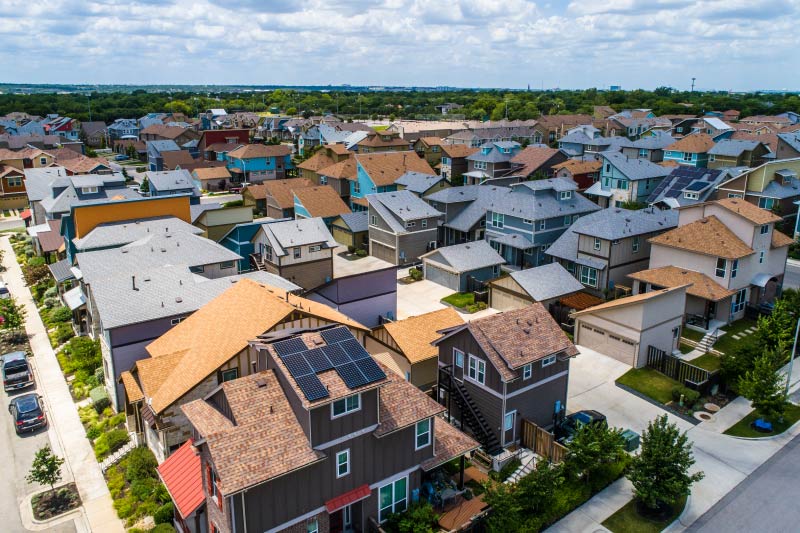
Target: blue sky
(726, 44)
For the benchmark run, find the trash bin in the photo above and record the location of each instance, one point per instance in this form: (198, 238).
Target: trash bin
(631, 440)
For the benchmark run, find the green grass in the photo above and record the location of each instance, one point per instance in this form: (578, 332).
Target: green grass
(12, 230)
(380, 127)
(650, 383)
(726, 342)
(628, 520)
(685, 348)
(742, 427)
(460, 299)
(692, 335)
(708, 361)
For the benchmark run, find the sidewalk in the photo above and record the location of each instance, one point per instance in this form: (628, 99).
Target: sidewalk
(67, 436)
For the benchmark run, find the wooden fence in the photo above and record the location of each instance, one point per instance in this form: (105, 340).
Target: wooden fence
(542, 442)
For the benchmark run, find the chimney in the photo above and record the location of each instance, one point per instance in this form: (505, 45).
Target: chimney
(133, 283)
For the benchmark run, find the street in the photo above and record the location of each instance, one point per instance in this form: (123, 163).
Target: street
(791, 279)
(765, 501)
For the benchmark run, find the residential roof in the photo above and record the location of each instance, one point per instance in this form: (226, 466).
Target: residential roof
(496, 153)
(211, 173)
(658, 141)
(286, 234)
(792, 139)
(617, 223)
(708, 236)
(717, 123)
(578, 166)
(546, 184)
(164, 130)
(51, 241)
(321, 201)
(400, 206)
(465, 193)
(90, 128)
(414, 335)
(700, 285)
(252, 151)
(629, 300)
(751, 212)
(580, 300)
(61, 270)
(465, 257)
(345, 169)
(357, 222)
(113, 234)
(175, 159)
(732, 147)
(780, 239)
(170, 180)
(418, 182)
(317, 161)
(183, 476)
(547, 281)
(532, 158)
(163, 146)
(455, 151)
(696, 143)
(541, 206)
(401, 404)
(634, 168)
(280, 190)
(698, 180)
(383, 168)
(449, 443)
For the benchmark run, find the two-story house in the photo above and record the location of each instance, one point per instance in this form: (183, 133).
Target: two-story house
(688, 185)
(274, 198)
(536, 161)
(168, 132)
(421, 184)
(123, 128)
(171, 183)
(730, 253)
(714, 127)
(66, 127)
(430, 149)
(255, 163)
(496, 370)
(737, 153)
(773, 186)
(464, 211)
(300, 251)
(625, 180)
(649, 147)
(156, 151)
(454, 161)
(584, 172)
(402, 227)
(691, 150)
(788, 145)
(602, 248)
(378, 173)
(227, 136)
(492, 160)
(381, 141)
(324, 157)
(319, 202)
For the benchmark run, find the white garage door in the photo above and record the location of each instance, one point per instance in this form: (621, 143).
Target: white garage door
(381, 251)
(503, 301)
(607, 343)
(441, 276)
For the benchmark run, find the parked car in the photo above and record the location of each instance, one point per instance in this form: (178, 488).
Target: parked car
(121, 157)
(566, 429)
(4, 292)
(28, 412)
(16, 371)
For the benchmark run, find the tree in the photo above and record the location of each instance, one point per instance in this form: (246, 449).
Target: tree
(537, 491)
(777, 328)
(592, 447)
(34, 274)
(418, 518)
(506, 513)
(12, 313)
(46, 468)
(660, 473)
(145, 186)
(764, 386)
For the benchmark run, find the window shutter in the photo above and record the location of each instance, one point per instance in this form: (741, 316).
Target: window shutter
(209, 482)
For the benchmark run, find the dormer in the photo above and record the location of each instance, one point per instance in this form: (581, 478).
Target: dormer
(486, 150)
(564, 195)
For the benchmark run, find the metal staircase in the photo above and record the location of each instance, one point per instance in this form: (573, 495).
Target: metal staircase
(471, 415)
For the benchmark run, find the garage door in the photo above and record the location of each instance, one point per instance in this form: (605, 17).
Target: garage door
(504, 301)
(441, 276)
(607, 343)
(381, 251)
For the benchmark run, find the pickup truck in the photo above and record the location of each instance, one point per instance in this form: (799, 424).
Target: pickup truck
(16, 371)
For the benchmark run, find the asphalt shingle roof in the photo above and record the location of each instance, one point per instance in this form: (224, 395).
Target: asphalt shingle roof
(732, 147)
(113, 234)
(404, 205)
(634, 168)
(418, 182)
(286, 234)
(547, 281)
(466, 257)
(356, 221)
(171, 180)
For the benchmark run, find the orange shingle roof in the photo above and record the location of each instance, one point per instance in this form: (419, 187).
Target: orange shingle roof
(696, 143)
(700, 285)
(621, 302)
(281, 190)
(385, 167)
(211, 173)
(414, 335)
(580, 300)
(708, 236)
(321, 201)
(751, 212)
(251, 151)
(345, 169)
(576, 166)
(458, 150)
(317, 161)
(780, 239)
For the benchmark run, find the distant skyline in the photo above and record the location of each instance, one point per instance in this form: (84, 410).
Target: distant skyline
(737, 45)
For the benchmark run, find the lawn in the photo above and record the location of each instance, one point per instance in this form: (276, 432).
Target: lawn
(460, 299)
(627, 520)
(726, 342)
(650, 383)
(692, 335)
(685, 348)
(742, 427)
(708, 361)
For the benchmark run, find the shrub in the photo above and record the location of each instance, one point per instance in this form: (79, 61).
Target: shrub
(116, 482)
(415, 274)
(361, 252)
(164, 514)
(99, 375)
(689, 396)
(351, 249)
(60, 314)
(93, 432)
(51, 292)
(141, 464)
(144, 489)
(50, 303)
(234, 203)
(163, 528)
(100, 398)
(35, 261)
(108, 443)
(125, 506)
(63, 333)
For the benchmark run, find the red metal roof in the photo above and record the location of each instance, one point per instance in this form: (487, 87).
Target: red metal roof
(182, 475)
(357, 494)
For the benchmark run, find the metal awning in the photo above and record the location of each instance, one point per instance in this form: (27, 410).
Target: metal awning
(74, 298)
(761, 279)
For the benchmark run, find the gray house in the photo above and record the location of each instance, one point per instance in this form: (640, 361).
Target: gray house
(687, 185)
(369, 298)
(545, 284)
(402, 227)
(155, 149)
(491, 161)
(460, 266)
(464, 211)
(173, 182)
(650, 147)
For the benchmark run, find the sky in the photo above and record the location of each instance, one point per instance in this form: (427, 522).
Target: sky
(726, 44)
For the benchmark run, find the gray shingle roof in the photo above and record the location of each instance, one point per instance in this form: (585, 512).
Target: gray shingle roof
(541, 206)
(515, 240)
(195, 210)
(38, 181)
(417, 182)
(356, 221)
(171, 180)
(547, 281)
(659, 141)
(61, 270)
(549, 184)
(163, 146)
(790, 189)
(635, 169)
(495, 155)
(732, 147)
(115, 234)
(466, 257)
(287, 234)
(74, 196)
(404, 205)
(453, 195)
(792, 139)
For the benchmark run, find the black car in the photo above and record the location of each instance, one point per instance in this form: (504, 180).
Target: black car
(16, 371)
(571, 423)
(28, 412)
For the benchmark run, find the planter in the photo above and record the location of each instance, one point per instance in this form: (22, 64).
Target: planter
(50, 504)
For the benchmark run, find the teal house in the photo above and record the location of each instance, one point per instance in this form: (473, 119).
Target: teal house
(254, 163)
(691, 151)
(378, 172)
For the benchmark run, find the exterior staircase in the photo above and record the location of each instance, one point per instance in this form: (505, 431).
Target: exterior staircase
(528, 460)
(470, 413)
(117, 456)
(257, 263)
(708, 340)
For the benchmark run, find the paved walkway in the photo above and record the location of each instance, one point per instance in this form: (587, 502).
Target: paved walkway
(68, 437)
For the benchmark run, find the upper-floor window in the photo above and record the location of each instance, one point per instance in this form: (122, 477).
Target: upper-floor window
(342, 463)
(766, 203)
(445, 160)
(411, 224)
(642, 152)
(198, 269)
(15, 182)
(498, 220)
(314, 248)
(691, 195)
(565, 195)
(687, 156)
(622, 185)
(435, 149)
(479, 165)
(373, 220)
(323, 180)
(298, 252)
(589, 276)
(734, 195)
(635, 244)
(356, 187)
(230, 374)
(312, 526)
(549, 360)
(43, 161)
(567, 220)
(734, 268)
(597, 243)
(423, 434)
(764, 229)
(761, 256)
(89, 190)
(268, 252)
(527, 221)
(458, 358)
(226, 265)
(477, 369)
(176, 321)
(608, 167)
(423, 224)
(606, 182)
(712, 157)
(345, 406)
(722, 266)
(527, 371)
(542, 225)
(212, 489)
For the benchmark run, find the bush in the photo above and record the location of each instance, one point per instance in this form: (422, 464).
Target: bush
(93, 432)
(164, 514)
(361, 252)
(51, 303)
(108, 443)
(351, 249)
(116, 482)
(63, 333)
(60, 314)
(415, 274)
(35, 261)
(140, 464)
(99, 375)
(144, 489)
(100, 398)
(234, 203)
(689, 396)
(163, 528)
(51, 292)
(125, 506)
(477, 306)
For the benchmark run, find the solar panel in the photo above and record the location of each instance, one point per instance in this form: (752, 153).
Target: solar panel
(354, 349)
(351, 375)
(331, 336)
(696, 186)
(312, 387)
(336, 355)
(297, 365)
(370, 369)
(317, 359)
(289, 347)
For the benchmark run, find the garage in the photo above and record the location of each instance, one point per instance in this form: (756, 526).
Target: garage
(382, 251)
(436, 274)
(455, 266)
(504, 300)
(605, 342)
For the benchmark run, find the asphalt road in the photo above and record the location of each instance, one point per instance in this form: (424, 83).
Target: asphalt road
(791, 278)
(766, 501)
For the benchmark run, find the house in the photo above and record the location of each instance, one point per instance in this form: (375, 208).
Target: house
(624, 180)
(430, 149)
(239, 241)
(318, 202)
(771, 120)
(42, 142)
(369, 298)
(735, 153)
(95, 133)
(378, 173)
(731, 115)
(649, 147)
(634, 128)
(255, 163)
(691, 150)
(602, 248)
(536, 162)
(357, 452)
(211, 178)
(214, 119)
(203, 351)
(122, 146)
(76, 163)
(383, 141)
(550, 128)
(156, 151)
(47, 240)
(788, 145)
(454, 161)
(66, 127)
(714, 127)
(462, 267)
(172, 182)
(421, 184)
(545, 284)
(490, 161)
(582, 139)
(688, 185)
(407, 345)
(168, 132)
(298, 250)
(324, 157)
(178, 160)
(124, 128)
(730, 253)
(278, 196)
(584, 172)
(446, 108)
(773, 186)
(402, 227)
(351, 230)
(216, 221)
(628, 328)
(227, 136)
(339, 176)
(464, 211)
(497, 370)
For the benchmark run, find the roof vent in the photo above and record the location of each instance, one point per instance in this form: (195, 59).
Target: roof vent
(261, 383)
(527, 331)
(178, 299)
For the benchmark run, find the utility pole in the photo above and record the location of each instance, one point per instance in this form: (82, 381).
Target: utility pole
(89, 100)
(693, 84)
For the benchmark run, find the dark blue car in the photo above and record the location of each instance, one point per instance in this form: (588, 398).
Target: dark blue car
(27, 411)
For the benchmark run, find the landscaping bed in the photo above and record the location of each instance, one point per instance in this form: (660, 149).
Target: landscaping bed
(629, 520)
(464, 302)
(104, 429)
(136, 490)
(52, 503)
(81, 362)
(743, 427)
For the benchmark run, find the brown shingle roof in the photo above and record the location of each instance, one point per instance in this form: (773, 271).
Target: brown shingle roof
(222, 147)
(174, 158)
(780, 239)
(621, 302)
(431, 141)
(449, 443)
(281, 190)
(708, 236)
(375, 140)
(401, 404)
(385, 167)
(257, 191)
(342, 170)
(251, 151)
(671, 276)
(321, 201)
(751, 212)
(132, 389)
(454, 151)
(414, 335)
(531, 158)
(580, 301)
(576, 166)
(696, 143)
(164, 131)
(317, 161)
(338, 149)
(211, 173)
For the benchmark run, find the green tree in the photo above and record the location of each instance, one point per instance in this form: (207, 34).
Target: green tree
(46, 468)
(660, 473)
(592, 448)
(145, 186)
(418, 518)
(764, 386)
(777, 328)
(13, 314)
(506, 512)
(537, 491)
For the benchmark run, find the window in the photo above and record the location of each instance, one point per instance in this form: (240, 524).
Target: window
(411, 224)
(313, 526)
(691, 195)
(565, 195)
(477, 369)
(392, 498)
(606, 182)
(764, 229)
(445, 160)
(642, 152)
(738, 301)
(635, 244)
(676, 332)
(734, 268)
(734, 195)
(496, 270)
(345, 406)
(722, 265)
(458, 358)
(43, 161)
(712, 157)
(508, 421)
(423, 224)
(342, 463)
(323, 180)
(15, 182)
(89, 190)
(479, 165)
(597, 243)
(687, 156)
(766, 203)
(197, 269)
(527, 221)
(608, 167)
(622, 185)
(435, 149)
(314, 248)
(268, 252)
(176, 321)
(298, 253)
(761, 256)
(373, 220)
(549, 360)
(356, 187)
(589, 276)
(527, 371)
(498, 220)
(544, 247)
(230, 374)
(423, 432)
(226, 264)
(211, 480)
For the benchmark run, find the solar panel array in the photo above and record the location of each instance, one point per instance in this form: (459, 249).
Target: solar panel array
(343, 353)
(681, 177)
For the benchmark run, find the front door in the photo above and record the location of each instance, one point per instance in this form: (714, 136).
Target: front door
(509, 428)
(711, 310)
(347, 518)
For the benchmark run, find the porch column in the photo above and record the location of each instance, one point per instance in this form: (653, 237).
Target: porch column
(461, 474)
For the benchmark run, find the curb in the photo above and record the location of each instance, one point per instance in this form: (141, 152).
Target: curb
(31, 523)
(648, 399)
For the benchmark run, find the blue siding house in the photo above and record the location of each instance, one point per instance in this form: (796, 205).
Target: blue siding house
(155, 149)
(691, 150)
(173, 183)
(626, 179)
(255, 163)
(378, 173)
